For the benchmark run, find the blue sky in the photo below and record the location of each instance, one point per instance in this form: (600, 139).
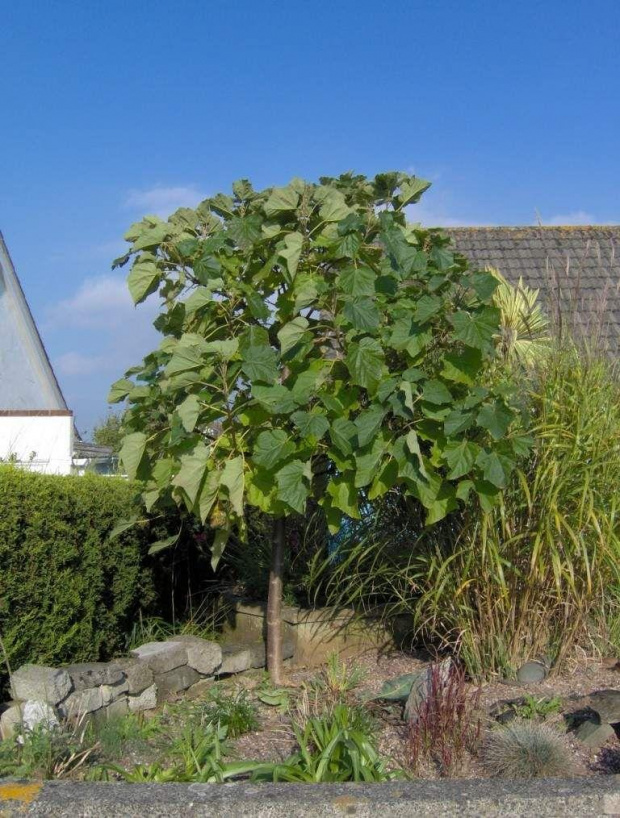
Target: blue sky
(113, 110)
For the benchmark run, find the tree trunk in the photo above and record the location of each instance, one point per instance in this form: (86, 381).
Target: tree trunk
(274, 603)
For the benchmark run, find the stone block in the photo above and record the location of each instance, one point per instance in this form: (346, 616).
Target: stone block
(39, 714)
(162, 656)
(147, 700)
(175, 681)
(594, 735)
(11, 720)
(138, 675)
(111, 693)
(115, 710)
(200, 689)
(94, 674)
(81, 702)
(40, 683)
(202, 655)
(235, 659)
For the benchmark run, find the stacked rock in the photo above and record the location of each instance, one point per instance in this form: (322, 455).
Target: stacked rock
(151, 674)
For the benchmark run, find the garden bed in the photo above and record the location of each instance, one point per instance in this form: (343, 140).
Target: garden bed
(209, 736)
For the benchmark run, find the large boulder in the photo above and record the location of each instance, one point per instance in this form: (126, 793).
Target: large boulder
(161, 656)
(81, 702)
(423, 685)
(202, 655)
(40, 683)
(175, 681)
(93, 674)
(146, 700)
(11, 719)
(39, 714)
(138, 675)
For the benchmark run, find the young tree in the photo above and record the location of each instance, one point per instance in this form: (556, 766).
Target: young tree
(314, 345)
(109, 432)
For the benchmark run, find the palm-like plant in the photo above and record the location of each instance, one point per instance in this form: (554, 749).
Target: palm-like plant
(524, 328)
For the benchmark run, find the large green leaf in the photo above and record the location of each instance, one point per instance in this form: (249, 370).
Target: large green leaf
(496, 418)
(131, 452)
(412, 189)
(143, 279)
(344, 495)
(368, 424)
(183, 359)
(292, 333)
(232, 478)
(192, 472)
(245, 230)
(367, 464)
(495, 467)
(333, 205)
(365, 363)
(476, 329)
(437, 392)
(272, 447)
(291, 252)
(277, 399)
(310, 424)
(260, 363)
(343, 433)
(292, 485)
(460, 457)
(281, 200)
(362, 313)
(357, 281)
(428, 305)
(119, 390)
(188, 411)
(462, 366)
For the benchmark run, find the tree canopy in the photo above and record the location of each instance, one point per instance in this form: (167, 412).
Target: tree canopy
(314, 344)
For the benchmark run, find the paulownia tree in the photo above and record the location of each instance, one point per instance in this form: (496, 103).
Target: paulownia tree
(315, 345)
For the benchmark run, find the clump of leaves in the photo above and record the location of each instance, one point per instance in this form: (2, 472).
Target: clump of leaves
(337, 678)
(532, 707)
(46, 753)
(332, 747)
(315, 345)
(234, 711)
(527, 749)
(446, 726)
(198, 755)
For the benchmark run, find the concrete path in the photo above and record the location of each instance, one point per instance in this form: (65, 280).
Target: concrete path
(552, 797)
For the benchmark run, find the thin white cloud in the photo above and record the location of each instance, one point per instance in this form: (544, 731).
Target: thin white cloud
(74, 363)
(100, 302)
(162, 201)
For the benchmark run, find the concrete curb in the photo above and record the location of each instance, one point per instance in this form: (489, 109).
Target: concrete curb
(551, 797)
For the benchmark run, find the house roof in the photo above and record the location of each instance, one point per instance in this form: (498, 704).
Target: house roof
(577, 269)
(27, 379)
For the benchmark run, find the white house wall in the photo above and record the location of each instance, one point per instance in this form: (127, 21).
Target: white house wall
(39, 442)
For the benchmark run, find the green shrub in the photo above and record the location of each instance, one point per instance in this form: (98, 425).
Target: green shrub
(527, 750)
(532, 576)
(68, 593)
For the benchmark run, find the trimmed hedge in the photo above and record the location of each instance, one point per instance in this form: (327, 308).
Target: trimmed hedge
(67, 592)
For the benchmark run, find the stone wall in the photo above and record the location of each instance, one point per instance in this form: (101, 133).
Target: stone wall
(150, 675)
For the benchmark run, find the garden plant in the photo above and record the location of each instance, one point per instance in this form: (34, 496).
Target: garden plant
(316, 347)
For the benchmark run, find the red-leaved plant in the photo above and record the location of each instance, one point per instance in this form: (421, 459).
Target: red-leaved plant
(447, 725)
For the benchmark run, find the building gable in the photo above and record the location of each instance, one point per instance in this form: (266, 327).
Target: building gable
(27, 380)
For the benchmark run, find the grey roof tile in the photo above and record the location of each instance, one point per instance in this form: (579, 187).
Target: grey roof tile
(577, 268)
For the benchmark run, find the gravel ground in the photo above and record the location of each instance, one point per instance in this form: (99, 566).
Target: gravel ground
(275, 740)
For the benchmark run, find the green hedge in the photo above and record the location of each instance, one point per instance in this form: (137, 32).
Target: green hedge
(67, 592)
